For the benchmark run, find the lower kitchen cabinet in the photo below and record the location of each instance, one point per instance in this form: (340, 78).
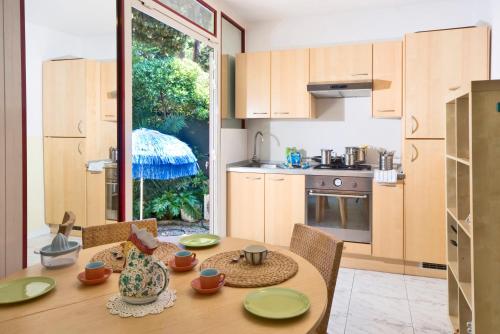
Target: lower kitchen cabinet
(65, 179)
(387, 221)
(245, 206)
(284, 207)
(424, 198)
(264, 207)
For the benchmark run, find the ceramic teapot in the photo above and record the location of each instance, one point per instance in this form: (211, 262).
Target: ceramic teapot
(144, 277)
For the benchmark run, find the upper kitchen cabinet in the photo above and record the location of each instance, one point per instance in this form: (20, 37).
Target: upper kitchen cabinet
(108, 91)
(387, 95)
(71, 93)
(341, 63)
(289, 79)
(438, 62)
(253, 82)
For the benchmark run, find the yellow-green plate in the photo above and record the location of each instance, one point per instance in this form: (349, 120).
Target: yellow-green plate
(24, 289)
(277, 303)
(200, 240)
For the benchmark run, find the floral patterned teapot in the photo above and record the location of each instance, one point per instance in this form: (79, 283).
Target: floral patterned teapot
(144, 277)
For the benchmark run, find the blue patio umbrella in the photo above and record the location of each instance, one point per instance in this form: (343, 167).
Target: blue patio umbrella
(158, 156)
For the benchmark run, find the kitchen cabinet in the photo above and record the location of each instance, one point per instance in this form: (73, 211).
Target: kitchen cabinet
(387, 95)
(424, 198)
(245, 206)
(96, 198)
(438, 62)
(342, 63)
(70, 94)
(108, 91)
(284, 207)
(65, 179)
(289, 79)
(388, 220)
(253, 85)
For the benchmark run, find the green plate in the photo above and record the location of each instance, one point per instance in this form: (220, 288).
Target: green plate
(276, 303)
(24, 289)
(200, 240)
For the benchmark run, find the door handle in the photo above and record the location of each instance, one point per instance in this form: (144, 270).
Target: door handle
(415, 122)
(311, 193)
(358, 74)
(79, 148)
(414, 157)
(454, 88)
(252, 178)
(385, 110)
(80, 126)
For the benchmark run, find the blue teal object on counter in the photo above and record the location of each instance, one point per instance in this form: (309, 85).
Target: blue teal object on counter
(293, 157)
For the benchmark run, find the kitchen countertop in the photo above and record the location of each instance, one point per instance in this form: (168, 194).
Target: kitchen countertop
(240, 167)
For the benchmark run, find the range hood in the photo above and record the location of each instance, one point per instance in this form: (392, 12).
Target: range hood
(340, 89)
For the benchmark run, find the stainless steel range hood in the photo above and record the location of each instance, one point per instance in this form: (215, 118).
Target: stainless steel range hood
(340, 89)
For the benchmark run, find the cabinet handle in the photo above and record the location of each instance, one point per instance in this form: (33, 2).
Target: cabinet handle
(453, 242)
(358, 74)
(415, 122)
(453, 228)
(414, 157)
(278, 179)
(80, 126)
(281, 113)
(79, 148)
(252, 178)
(259, 113)
(454, 88)
(385, 110)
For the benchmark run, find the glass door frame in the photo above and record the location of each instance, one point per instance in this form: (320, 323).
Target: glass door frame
(161, 14)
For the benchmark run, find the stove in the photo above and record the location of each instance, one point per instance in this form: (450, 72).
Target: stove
(342, 166)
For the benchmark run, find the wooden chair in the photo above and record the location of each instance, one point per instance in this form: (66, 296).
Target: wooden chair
(110, 233)
(323, 251)
(68, 221)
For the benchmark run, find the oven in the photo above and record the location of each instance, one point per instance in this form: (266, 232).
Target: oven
(340, 205)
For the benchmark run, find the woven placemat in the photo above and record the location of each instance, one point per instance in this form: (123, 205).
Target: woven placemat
(276, 268)
(113, 256)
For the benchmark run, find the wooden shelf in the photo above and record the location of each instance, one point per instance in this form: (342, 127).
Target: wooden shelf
(472, 140)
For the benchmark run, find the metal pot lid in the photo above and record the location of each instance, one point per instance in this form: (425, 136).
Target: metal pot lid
(50, 251)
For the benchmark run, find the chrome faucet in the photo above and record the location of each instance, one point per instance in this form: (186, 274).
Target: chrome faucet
(254, 157)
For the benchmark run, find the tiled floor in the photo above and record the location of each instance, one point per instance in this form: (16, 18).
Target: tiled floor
(368, 302)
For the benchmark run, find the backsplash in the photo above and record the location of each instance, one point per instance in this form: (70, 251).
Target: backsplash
(339, 123)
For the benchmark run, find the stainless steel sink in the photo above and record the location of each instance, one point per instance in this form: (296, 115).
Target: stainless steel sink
(260, 165)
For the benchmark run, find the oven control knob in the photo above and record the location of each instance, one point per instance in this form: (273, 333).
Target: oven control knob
(337, 182)
(354, 184)
(323, 183)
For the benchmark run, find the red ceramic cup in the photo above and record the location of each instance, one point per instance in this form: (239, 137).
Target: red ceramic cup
(184, 258)
(211, 278)
(94, 270)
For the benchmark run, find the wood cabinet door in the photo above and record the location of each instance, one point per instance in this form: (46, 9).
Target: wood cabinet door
(253, 85)
(289, 79)
(245, 206)
(437, 63)
(341, 63)
(424, 198)
(387, 221)
(285, 207)
(65, 179)
(96, 198)
(64, 98)
(387, 95)
(108, 91)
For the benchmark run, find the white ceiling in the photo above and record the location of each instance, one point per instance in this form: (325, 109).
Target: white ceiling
(77, 17)
(265, 10)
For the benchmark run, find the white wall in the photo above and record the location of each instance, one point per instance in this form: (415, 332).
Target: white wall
(357, 26)
(42, 44)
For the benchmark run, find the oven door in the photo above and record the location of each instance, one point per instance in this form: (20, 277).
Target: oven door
(347, 215)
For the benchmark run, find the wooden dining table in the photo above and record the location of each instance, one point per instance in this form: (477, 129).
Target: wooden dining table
(73, 308)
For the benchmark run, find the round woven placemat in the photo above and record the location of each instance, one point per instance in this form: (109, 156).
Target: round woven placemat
(113, 256)
(276, 268)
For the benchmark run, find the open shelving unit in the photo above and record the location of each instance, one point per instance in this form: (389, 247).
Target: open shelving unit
(473, 206)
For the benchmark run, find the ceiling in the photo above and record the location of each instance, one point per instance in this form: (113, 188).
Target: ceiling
(265, 10)
(77, 17)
